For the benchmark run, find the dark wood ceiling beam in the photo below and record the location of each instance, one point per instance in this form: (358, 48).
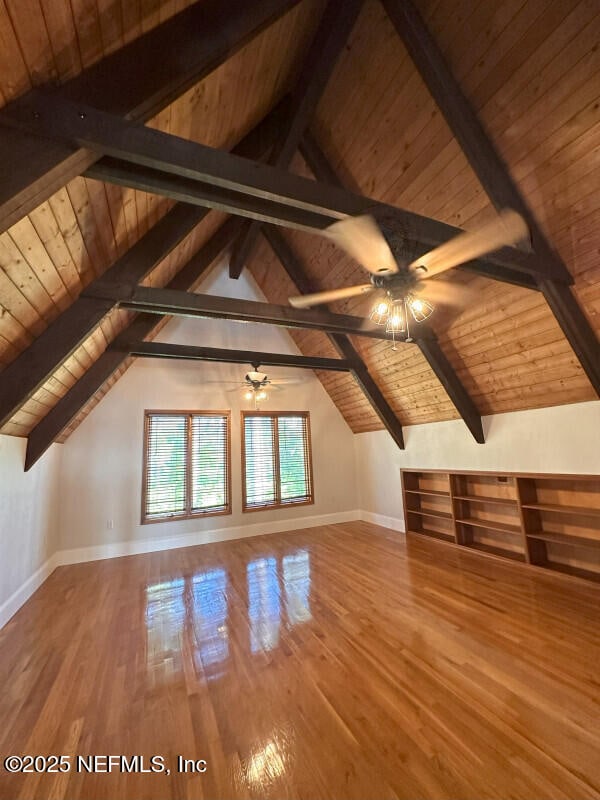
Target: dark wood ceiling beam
(576, 328)
(334, 29)
(322, 170)
(212, 177)
(342, 343)
(492, 172)
(488, 268)
(453, 386)
(136, 81)
(32, 368)
(494, 176)
(167, 302)
(192, 353)
(60, 416)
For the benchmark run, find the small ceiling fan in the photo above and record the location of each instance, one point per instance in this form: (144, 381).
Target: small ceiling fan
(255, 385)
(385, 253)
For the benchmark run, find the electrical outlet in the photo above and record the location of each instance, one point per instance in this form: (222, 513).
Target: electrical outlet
(110, 524)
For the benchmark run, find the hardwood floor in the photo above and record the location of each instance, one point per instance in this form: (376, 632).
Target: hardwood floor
(335, 662)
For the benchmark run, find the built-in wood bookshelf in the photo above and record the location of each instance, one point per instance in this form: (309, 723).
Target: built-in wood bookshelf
(548, 521)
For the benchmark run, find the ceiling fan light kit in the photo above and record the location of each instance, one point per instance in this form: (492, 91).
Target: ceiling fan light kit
(384, 256)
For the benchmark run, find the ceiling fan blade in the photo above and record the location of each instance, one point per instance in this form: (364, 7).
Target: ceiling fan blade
(362, 239)
(508, 228)
(441, 292)
(308, 300)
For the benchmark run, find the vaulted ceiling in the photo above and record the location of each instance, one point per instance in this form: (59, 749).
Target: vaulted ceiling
(530, 71)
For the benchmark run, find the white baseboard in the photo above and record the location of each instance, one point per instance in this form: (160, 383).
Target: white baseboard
(386, 522)
(117, 549)
(10, 607)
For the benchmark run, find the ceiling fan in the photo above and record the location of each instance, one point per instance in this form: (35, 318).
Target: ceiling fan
(255, 383)
(384, 252)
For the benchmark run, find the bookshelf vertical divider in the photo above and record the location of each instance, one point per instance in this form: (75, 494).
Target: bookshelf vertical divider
(522, 496)
(454, 490)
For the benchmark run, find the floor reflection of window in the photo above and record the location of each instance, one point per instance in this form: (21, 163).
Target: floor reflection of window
(165, 613)
(264, 608)
(210, 619)
(296, 584)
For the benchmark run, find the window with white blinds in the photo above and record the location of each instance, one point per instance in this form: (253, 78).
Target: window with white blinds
(186, 465)
(276, 459)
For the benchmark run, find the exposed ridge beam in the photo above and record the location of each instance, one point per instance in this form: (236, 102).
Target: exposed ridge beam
(335, 26)
(319, 165)
(494, 176)
(67, 408)
(206, 176)
(167, 302)
(342, 343)
(137, 81)
(192, 353)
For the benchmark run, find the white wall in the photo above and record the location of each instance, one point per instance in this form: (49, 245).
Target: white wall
(561, 439)
(28, 522)
(102, 460)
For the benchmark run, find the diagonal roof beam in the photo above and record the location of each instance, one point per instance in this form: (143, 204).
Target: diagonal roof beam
(35, 365)
(67, 408)
(32, 368)
(137, 81)
(494, 176)
(342, 343)
(336, 24)
(184, 170)
(487, 268)
(431, 349)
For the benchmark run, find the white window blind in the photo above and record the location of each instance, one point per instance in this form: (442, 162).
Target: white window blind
(277, 460)
(186, 465)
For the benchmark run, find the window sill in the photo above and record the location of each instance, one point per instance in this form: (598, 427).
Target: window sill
(278, 506)
(184, 517)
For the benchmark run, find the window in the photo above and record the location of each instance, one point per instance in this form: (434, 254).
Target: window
(276, 460)
(186, 465)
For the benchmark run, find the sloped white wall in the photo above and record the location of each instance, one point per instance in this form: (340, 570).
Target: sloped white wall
(28, 522)
(563, 439)
(102, 460)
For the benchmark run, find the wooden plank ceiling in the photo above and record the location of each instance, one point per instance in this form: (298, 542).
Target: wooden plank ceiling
(529, 67)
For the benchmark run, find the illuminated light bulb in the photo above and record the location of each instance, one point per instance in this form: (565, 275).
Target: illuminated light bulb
(248, 395)
(380, 312)
(261, 396)
(420, 309)
(395, 323)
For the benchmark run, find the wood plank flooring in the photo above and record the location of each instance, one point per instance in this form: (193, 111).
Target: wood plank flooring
(335, 662)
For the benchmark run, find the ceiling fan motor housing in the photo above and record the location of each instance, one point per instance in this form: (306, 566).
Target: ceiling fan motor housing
(398, 285)
(257, 379)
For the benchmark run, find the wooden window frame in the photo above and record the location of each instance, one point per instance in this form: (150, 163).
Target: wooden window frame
(188, 467)
(290, 503)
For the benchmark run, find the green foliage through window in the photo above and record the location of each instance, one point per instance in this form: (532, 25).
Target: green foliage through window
(276, 460)
(186, 465)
